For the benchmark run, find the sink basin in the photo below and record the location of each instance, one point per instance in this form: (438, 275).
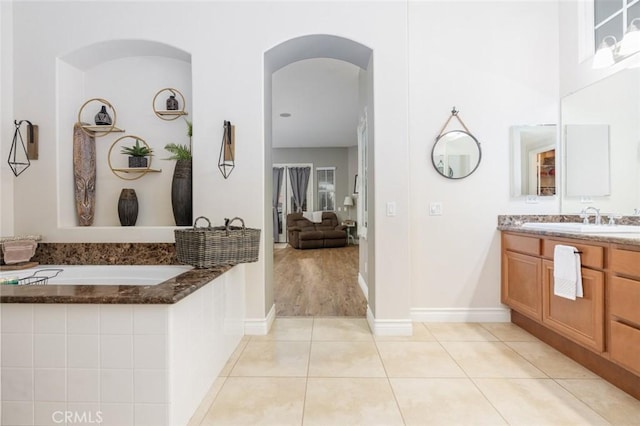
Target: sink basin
(582, 228)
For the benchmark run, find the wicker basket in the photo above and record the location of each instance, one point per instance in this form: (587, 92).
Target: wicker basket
(206, 247)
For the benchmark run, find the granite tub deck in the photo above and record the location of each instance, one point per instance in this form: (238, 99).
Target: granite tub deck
(168, 292)
(513, 223)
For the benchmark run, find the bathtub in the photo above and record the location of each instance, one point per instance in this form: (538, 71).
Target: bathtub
(145, 275)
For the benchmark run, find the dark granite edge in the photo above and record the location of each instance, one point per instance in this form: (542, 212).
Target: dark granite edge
(165, 293)
(601, 238)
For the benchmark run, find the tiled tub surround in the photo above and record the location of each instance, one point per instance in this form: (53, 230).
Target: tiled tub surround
(132, 355)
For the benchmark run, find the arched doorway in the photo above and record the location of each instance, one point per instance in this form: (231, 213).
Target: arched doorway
(311, 47)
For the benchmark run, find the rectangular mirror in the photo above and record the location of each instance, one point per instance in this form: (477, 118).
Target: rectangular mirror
(587, 154)
(533, 160)
(614, 102)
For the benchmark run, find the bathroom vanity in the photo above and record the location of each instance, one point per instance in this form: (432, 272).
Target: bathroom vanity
(600, 330)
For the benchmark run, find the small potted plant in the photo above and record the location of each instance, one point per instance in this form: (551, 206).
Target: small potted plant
(137, 154)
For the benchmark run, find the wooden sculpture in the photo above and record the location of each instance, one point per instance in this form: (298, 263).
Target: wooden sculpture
(84, 175)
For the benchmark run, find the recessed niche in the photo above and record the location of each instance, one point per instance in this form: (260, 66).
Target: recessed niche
(127, 73)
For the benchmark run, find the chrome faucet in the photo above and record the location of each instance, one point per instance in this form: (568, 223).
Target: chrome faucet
(584, 214)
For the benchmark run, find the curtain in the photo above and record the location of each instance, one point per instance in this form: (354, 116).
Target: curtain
(299, 177)
(278, 173)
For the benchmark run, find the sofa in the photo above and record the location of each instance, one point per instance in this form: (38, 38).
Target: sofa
(305, 234)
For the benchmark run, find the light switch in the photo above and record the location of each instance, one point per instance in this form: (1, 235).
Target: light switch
(435, 209)
(391, 208)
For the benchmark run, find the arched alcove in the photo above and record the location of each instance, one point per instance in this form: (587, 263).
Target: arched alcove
(279, 56)
(128, 73)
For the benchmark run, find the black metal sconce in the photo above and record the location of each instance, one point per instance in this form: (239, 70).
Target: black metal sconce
(21, 154)
(226, 161)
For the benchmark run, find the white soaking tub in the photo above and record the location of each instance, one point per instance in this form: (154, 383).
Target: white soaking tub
(96, 274)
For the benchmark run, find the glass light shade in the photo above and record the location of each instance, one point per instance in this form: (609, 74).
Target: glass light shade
(348, 201)
(630, 44)
(604, 56)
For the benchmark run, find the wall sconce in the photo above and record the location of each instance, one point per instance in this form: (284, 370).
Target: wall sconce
(226, 161)
(20, 153)
(610, 51)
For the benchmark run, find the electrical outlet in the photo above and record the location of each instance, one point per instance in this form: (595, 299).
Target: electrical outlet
(435, 209)
(586, 200)
(531, 199)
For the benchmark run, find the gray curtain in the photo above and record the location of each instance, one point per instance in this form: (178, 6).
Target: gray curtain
(278, 173)
(299, 177)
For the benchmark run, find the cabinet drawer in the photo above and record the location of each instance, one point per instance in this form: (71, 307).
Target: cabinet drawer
(625, 345)
(624, 299)
(522, 244)
(591, 256)
(626, 262)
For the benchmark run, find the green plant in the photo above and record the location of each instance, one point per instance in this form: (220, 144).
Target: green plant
(137, 150)
(179, 152)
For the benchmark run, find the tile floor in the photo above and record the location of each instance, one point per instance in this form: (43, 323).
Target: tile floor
(332, 371)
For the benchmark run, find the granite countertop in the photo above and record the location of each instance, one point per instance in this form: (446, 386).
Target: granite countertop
(167, 292)
(514, 224)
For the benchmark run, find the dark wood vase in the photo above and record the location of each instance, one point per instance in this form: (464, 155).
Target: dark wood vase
(181, 193)
(128, 207)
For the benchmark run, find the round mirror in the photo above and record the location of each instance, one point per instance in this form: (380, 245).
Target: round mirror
(456, 154)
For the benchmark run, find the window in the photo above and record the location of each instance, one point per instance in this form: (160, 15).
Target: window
(612, 17)
(326, 188)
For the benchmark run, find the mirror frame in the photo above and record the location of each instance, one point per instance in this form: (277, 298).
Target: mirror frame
(438, 139)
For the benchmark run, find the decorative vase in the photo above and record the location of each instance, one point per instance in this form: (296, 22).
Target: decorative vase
(181, 193)
(172, 103)
(128, 207)
(137, 162)
(102, 117)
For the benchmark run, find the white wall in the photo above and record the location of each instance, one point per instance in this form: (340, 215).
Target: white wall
(497, 63)
(227, 42)
(6, 117)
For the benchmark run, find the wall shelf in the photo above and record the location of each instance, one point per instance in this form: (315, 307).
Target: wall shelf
(137, 170)
(102, 128)
(170, 113)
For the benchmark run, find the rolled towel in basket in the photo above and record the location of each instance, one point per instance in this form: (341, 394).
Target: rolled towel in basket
(18, 251)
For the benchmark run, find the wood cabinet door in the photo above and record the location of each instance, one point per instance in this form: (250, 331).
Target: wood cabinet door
(581, 320)
(521, 283)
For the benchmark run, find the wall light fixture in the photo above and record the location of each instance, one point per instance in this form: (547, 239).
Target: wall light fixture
(610, 51)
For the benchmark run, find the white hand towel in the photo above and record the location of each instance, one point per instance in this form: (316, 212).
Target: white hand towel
(567, 278)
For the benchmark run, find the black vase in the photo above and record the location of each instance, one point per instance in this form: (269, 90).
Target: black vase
(181, 193)
(102, 117)
(172, 103)
(128, 207)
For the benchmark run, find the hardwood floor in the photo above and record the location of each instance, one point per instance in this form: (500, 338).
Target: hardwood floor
(318, 282)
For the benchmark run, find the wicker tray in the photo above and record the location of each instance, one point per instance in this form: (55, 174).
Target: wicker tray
(207, 246)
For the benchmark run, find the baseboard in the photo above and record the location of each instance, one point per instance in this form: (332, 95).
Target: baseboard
(260, 326)
(363, 286)
(461, 314)
(396, 327)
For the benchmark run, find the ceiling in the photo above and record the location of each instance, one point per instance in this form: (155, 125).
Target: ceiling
(321, 94)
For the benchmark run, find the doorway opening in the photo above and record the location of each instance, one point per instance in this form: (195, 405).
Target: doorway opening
(317, 89)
